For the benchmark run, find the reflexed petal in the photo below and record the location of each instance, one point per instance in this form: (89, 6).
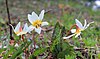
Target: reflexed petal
(41, 15)
(68, 36)
(85, 23)
(38, 30)
(25, 29)
(89, 25)
(17, 27)
(73, 30)
(79, 24)
(44, 23)
(77, 34)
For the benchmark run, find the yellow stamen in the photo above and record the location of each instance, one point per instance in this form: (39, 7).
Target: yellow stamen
(37, 23)
(78, 30)
(17, 32)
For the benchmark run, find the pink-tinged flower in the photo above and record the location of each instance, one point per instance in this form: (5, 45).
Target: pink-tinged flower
(36, 21)
(79, 28)
(19, 30)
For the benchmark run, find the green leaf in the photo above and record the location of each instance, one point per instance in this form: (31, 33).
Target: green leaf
(32, 57)
(58, 33)
(89, 42)
(37, 52)
(67, 49)
(56, 40)
(20, 49)
(1, 50)
(69, 57)
(98, 56)
(2, 21)
(8, 52)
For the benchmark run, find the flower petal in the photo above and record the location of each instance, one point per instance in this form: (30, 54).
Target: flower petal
(79, 24)
(44, 23)
(31, 28)
(38, 30)
(68, 36)
(25, 29)
(89, 25)
(17, 27)
(21, 33)
(73, 30)
(32, 17)
(85, 23)
(41, 15)
(35, 16)
(77, 34)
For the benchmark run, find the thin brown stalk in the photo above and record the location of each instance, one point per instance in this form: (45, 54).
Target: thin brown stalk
(9, 20)
(71, 28)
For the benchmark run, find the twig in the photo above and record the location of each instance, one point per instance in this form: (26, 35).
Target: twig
(9, 19)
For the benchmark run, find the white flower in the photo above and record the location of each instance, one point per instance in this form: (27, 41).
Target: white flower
(36, 21)
(97, 3)
(79, 28)
(16, 45)
(96, 6)
(19, 30)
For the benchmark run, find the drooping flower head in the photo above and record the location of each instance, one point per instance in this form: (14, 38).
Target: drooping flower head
(36, 21)
(79, 28)
(19, 30)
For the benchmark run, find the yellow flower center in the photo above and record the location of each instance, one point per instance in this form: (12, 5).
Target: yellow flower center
(17, 32)
(78, 30)
(37, 23)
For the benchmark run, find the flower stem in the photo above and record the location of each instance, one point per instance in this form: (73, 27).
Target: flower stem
(7, 8)
(34, 42)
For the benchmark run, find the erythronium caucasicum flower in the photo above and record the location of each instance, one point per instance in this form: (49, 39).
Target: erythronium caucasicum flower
(19, 30)
(36, 21)
(79, 28)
